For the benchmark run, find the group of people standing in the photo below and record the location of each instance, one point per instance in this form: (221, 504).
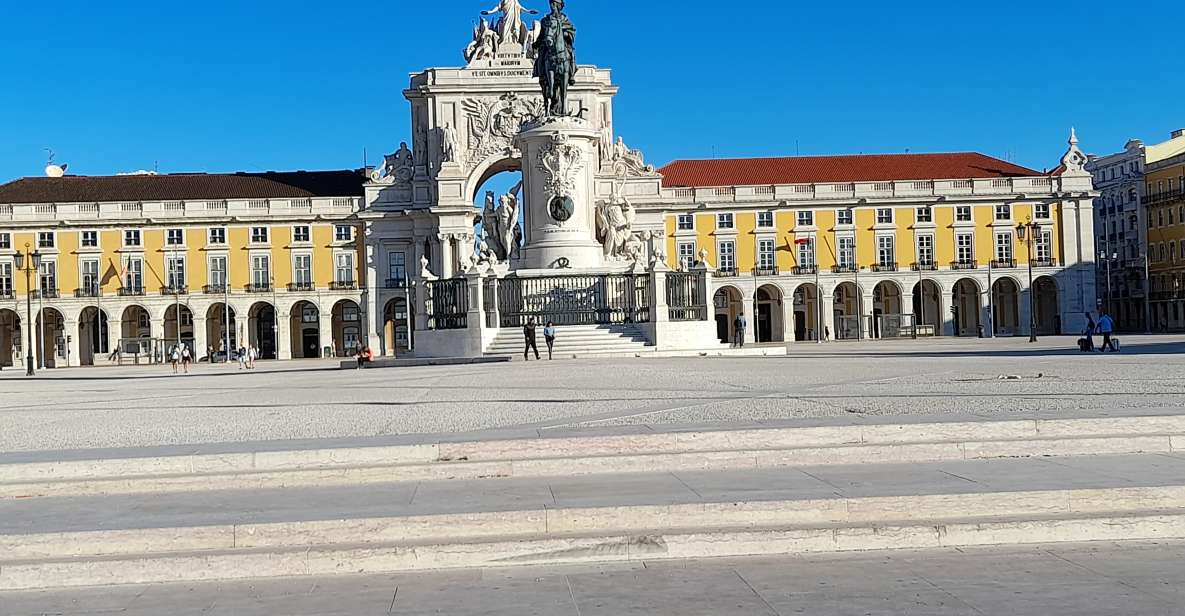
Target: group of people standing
(1105, 327)
(532, 342)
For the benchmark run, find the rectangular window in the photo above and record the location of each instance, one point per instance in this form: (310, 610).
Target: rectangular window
(884, 216)
(765, 254)
(45, 239)
(1041, 211)
(175, 237)
(846, 255)
(343, 271)
(259, 235)
(765, 219)
(686, 255)
(1003, 211)
(806, 253)
(925, 250)
(89, 239)
(5, 278)
(301, 234)
(806, 218)
(397, 266)
(1160, 218)
(686, 222)
(217, 236)
(176, 272)
(728, 256)
(131, 238)
(343, 233)
(90, 278)
(261, 271)
(5, 241)
(886, 253)
(965, 247)
(843, 217)
(1004, 247)
(133, 278)
(49, 277)
(1044, 246)
(963, 213)
(925, 214)
(1173, 251)
(725, 221)
(302, 270)
(218, 272)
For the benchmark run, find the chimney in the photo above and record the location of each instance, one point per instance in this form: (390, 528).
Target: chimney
(1180, 132)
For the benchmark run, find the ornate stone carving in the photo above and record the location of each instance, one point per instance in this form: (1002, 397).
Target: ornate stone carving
(484, 44)
(615, 228)
(397, 168)
(625, 161)
(560, 161)
(493, 124)
(1074, 160)
(501, 231)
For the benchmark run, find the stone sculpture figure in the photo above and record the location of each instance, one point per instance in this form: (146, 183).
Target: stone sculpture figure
(484, 44)
(397, 168)
(555, 59)
(630, 161)
(501, 233)
(448, 143)
(510, 26)
(615, 226)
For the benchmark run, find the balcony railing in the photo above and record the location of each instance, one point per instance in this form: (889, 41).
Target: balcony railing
(964, 265)
(174, 290)
(7, 294)
(46, 294)
(396, 283)
(806, 270)
(299, 287)
(927, 266)
(726, 272)
(131, 292)
(214, 289)
(765, 271)
(1052, 263)
(1003, 263)
(259, 288)
(343, 285)
(1164, 197)
(884, 267)
(843, 269)
(88, 292)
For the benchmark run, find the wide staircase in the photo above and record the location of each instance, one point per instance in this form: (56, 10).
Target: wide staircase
(577, 340)
(240, 511)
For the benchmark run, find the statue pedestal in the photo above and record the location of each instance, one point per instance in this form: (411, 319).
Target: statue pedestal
(559, 165)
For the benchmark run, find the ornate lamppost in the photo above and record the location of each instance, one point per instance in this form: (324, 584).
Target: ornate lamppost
(1025, 231)
(29, 262)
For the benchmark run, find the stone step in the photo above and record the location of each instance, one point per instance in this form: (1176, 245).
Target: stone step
(96, 541)
(589, 455)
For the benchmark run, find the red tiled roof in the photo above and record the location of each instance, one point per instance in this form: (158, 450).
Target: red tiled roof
(825, 169)
(185, 186)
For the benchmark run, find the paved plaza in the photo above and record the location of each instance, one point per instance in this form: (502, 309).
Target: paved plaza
(148, 406)
(1104, 579)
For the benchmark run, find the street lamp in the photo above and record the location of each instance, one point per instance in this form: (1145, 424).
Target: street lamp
(1025, 232)
(1108, 258)
(29, 265)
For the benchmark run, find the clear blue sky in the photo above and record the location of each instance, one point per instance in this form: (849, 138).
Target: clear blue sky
(228, 85)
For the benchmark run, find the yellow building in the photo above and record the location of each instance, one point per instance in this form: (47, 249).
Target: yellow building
(884, 245)
(1164, 198)
(131, 265)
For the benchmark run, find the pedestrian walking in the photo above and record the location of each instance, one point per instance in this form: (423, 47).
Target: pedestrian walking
(549, 338)
(1106, 327)
(532, 343)
(1091, 328)
(252, 355)
(242, 358)
(738, 330)
(175, 358)
(186, 358)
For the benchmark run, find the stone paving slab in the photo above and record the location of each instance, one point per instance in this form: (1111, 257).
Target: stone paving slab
(1104, 579)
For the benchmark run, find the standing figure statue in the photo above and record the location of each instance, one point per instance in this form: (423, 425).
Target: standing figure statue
(510, 26)
(555, 59)
(615, 226)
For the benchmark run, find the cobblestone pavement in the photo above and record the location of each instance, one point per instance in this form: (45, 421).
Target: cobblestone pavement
(148, 406)
(1099, 579)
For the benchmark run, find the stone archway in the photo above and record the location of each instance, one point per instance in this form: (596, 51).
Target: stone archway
(1006, 307)
(347, 328)
(927, 308)
(220, 329)
(12, 342)
(768, 322)
(1047, 318)
(396, 327)
(807, 325)
(179, 327)
(887, 310)
(965, 308)
(93, 336)
(262, 329)
(848, 311)
(51, 339)
(728, 302)
(304, 326)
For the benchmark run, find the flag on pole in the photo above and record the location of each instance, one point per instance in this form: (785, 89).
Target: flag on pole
(802, 241)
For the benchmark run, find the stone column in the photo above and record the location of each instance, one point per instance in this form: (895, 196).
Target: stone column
(826, 304)
(867, 308)
(199, 339)
(447, 258)
(71, 335)
(325, 331)
(660, 312)
(788, 318)
(283, 335)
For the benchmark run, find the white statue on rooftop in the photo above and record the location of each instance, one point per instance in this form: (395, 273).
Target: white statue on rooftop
(510, 26)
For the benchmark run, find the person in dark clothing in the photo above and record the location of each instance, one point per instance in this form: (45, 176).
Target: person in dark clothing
(1091, 328)
(549, 338)
(532, 343)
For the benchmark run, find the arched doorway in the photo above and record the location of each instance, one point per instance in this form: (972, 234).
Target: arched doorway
(396, 327)
(262, 329)
(51, 338)
(93, 336)
(179, 326)
(728, 303)
(347, 328)
(219, 326)
(1048, 316)
(847, 312)
(11, 339)
(887, 310)
(1006, 307)
(770, 327)
(305, 329)
(927, 308)
(965, 308)
(806, 313)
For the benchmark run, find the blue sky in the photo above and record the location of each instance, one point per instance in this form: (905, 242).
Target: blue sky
(228, 85)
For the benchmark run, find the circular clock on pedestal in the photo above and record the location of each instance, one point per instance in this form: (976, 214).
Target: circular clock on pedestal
(561, 208)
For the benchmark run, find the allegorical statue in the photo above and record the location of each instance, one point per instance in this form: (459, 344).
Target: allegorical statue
(501, 230)
(555, 59)
(510, 26)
